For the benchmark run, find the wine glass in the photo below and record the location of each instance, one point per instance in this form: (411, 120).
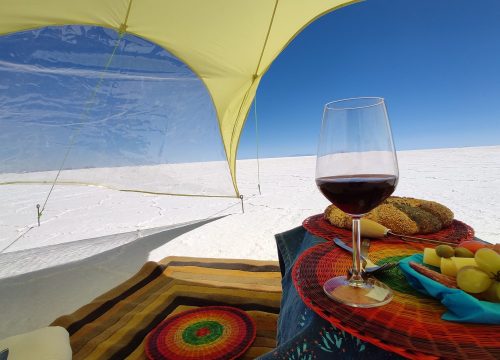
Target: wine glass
(356, 169)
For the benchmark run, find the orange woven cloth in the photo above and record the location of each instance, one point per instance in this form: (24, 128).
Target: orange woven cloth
(115, 325)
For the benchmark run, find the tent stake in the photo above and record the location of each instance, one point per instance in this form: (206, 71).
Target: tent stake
(242, 207)
(38, 214)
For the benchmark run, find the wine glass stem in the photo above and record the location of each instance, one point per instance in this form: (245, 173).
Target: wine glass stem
(356, 279)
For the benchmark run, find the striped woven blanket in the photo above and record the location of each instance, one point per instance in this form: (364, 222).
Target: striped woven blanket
(114, 325)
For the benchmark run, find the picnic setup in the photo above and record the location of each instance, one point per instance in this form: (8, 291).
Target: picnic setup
(88, 88)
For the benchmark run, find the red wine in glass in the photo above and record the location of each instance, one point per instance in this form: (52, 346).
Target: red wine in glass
(357, 194)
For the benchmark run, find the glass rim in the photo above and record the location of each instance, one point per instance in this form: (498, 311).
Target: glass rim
(331, 105)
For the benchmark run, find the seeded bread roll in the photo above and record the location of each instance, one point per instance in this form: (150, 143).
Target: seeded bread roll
(400, 214)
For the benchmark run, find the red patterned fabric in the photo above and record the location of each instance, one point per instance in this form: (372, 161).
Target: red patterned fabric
(455, 233)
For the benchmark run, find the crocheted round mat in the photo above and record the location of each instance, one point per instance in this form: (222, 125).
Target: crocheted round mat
(410, 325)
(319, 226)
(209, 333)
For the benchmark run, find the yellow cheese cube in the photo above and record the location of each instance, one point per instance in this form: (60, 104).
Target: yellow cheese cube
(461, 262)
(431, 258)
(448, 267)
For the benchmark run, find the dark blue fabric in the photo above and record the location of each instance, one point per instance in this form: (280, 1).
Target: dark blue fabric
(303, 335)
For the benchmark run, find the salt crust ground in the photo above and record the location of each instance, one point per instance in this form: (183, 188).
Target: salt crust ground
(66, 262)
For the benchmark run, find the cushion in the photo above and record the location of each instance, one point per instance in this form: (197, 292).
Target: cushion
(49, 343)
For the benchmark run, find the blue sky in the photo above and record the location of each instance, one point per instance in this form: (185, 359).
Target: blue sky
(437, 64)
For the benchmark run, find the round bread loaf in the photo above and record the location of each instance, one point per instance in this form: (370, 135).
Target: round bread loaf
(402, 215)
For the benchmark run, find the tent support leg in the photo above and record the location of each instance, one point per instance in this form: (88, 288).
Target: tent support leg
(242, 206)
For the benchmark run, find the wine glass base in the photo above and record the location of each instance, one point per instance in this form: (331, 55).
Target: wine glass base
(371, 293)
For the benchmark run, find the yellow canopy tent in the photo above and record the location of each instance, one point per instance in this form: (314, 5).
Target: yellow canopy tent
(229, 44)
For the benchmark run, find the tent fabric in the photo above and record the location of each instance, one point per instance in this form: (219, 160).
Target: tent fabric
(229, 44)
(108, 110)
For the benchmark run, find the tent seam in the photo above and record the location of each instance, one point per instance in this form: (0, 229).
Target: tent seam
(80, 183)
(267, 39)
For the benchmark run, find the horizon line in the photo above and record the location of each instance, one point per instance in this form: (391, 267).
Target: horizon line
(417, 149)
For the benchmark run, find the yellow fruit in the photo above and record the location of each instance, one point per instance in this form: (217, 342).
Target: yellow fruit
(463, 252)
(463, 262)
(493, 292)
(445, 251)
(473, 280)
(489, 261)
(448, 267)
(431, 258)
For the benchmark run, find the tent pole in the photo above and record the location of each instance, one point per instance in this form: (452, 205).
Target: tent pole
(242, 206)
(257, 142)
